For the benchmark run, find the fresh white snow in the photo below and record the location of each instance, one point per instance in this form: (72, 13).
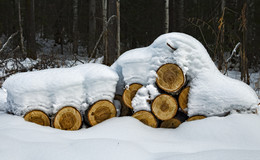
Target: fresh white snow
(232, 137)
(51, 89)
(211, 92)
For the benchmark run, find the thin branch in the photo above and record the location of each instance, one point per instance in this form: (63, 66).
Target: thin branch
(174, 49)
(8, 40)
(234, 51)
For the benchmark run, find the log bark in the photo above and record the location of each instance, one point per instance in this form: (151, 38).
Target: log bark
(193, 118)
(68, 118)
(100, 111)
(38, 117)
(146, 118)
(170, 78)
(129, 94)
(171, 123)
(164, 107)
(183, 99)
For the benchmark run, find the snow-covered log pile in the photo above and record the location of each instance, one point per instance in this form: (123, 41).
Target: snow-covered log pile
(171, 81)
(199, 87)
(66, 92)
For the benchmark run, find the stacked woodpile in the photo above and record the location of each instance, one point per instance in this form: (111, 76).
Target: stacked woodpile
(168, 110)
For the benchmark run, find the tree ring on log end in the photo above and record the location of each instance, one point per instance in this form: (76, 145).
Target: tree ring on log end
(101, 111)
(183, 99)
(38, 117)
(68, 118)
(164, 107)
(193, 118)
(170, 78)
(146, 118)
(171, 123)
(129, 94)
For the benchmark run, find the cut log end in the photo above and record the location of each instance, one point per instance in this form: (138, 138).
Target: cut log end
(164, 107)
(38, 117)
(68, 118)
(193, 118)
(129, 94)
(101, 111)
(183, 99)
(146, 118)
(171, 123)
(125, 111)
(170, 78)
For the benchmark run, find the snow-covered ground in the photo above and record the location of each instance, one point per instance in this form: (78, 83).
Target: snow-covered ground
(234, 137)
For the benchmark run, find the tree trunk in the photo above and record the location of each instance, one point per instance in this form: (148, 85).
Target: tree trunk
(146, 118)
(75, 27)
(20, 28)
(38, 117)
(105, 43)
(129, 94)
(166, 22)
(112, 33)
(164, 107)
(170, 78)
(30, 29)
(100, 111)
(181, 15)
(68, 118)
(92, 27)
(118, 28)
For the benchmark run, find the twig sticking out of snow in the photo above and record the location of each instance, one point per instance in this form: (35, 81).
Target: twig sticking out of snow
(234, 51)
(171, 47)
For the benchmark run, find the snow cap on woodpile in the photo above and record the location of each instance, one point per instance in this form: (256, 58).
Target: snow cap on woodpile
(51, 89)
(211, 93)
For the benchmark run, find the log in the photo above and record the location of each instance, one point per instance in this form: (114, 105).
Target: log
(183, 99)
(100, 111)
(164, 107)
(193, 118)
(129, 94)
(38, 117)
(125, 111)
(146, 118)
(68, 118)
(170, 78)
(171, 123)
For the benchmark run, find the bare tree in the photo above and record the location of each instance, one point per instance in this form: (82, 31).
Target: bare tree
(166, 22)
(20, 27)
(30, 29)
(118, 27)
(75, 27)
(92, 26)
(104, 7)
(181, 15)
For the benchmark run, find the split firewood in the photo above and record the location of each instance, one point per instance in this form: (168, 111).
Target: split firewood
(164, 107)
(170, 78)
(183, 99)
(146, 118)
(68, 118)
(100, 111)
(129, 94)
(38, 117)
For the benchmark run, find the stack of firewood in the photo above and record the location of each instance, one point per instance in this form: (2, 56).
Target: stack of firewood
(168, 110)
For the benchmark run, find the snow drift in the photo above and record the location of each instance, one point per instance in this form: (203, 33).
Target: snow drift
(211, 92)
(51, 89)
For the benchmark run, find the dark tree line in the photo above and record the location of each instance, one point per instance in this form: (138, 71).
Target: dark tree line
(94, 24)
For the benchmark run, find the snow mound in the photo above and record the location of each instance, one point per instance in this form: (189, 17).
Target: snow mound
(232, 137)
(51, 89)
(211, 93)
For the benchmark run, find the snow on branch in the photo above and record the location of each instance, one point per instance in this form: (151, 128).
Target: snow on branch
(234, 51)
(8, 40)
